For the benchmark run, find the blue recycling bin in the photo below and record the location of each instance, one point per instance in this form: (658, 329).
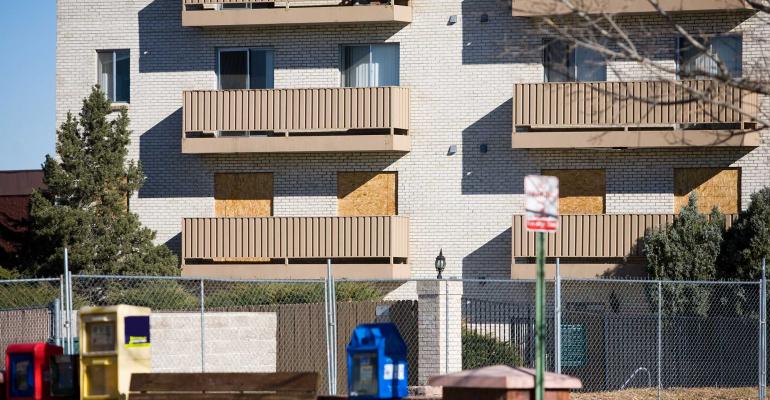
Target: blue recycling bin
(377, 366)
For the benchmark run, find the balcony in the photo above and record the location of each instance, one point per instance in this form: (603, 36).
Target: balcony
(632, 115)
(296, 247)
(535, 8)
(212, 13)
(296, 120)
(593, 236)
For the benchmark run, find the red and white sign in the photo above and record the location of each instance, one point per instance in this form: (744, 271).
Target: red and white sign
(542, 203)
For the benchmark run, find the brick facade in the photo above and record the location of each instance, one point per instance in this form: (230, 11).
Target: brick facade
(460, 76)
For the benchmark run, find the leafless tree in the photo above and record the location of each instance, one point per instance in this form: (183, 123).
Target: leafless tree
(632, 41)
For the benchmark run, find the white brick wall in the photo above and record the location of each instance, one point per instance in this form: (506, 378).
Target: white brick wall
(460, 77)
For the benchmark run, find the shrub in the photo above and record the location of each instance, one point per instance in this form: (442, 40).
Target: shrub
(686, 250)
(481, 351)
(748, 241)
(159, 295)
(252, 294)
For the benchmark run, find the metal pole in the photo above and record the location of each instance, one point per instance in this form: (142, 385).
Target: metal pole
(539, 321)
(557, 318)
(56, 321)
(763, 333)
(660, 335)
(68, 289)
(62, 310)
(331, 328)
(203, 327)
(327, 315)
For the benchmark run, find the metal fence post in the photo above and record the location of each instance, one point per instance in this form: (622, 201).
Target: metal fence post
(763, 332)
(330, 300)
(203, 327)
(557, 318)
(62, 310)
(56, 321)
(68, 290)
(660, 335)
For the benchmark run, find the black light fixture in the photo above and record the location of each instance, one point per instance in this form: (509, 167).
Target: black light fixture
(440, 263)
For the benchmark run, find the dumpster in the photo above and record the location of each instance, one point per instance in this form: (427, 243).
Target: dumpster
(377, 367)
(114, 343)
(26, 370)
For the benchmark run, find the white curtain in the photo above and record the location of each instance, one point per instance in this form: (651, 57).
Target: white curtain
(357, 66)
(106, 71)
(385, 61)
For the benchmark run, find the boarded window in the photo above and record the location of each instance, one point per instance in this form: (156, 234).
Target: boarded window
(243, 195)
(715, 187)
(366, 193)
(581, 191)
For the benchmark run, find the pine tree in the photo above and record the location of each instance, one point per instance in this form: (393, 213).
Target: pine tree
(748, 241)
(686, 250)
(84, 205)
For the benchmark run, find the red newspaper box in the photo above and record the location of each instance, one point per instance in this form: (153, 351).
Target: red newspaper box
(27, 375)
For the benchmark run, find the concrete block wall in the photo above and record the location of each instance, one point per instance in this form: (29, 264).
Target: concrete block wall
(235, 342)
(460, 76)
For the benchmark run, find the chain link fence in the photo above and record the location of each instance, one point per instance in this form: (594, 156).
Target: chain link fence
(659, 338)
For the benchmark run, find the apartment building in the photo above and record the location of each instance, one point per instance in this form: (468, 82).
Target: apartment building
(275, 135)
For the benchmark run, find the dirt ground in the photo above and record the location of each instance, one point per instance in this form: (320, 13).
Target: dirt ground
(673, 394)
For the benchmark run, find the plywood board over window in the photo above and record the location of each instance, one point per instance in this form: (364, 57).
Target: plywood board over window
(243, 195)
(367, 193)
(714, 187)
(581, 191)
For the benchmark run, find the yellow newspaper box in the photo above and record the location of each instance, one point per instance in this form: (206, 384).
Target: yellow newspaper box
(114, 343)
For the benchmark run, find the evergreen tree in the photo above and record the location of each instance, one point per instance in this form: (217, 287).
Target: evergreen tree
(686, 250)
(84, 205)
(748, 241)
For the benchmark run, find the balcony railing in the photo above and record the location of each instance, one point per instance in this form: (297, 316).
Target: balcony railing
(327, 119)
(212, 13)
(633, 114)
(593, 236)
(295, 237)
(531, 8)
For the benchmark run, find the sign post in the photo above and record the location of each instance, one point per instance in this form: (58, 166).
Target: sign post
(542, 208)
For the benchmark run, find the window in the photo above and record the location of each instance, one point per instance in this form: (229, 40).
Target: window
(726, 49)
(371, 65)
(367, 193)
(243, 194)
(565, 63)
(581, 191)
(115, 74)
(715, 187)
(245, 69)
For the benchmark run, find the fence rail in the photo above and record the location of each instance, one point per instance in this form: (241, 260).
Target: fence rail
(295, 237)
(600, 236)
(562, 105)
(296, 110)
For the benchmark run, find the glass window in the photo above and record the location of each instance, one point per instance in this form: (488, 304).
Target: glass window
(564, 63)
(114, 74)
(371, 65)
(726, 49)
(21, 375)
(246, 69)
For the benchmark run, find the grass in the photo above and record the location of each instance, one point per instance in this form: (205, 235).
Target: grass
(673, 394)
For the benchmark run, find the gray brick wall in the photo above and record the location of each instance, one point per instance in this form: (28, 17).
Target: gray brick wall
(460, 77)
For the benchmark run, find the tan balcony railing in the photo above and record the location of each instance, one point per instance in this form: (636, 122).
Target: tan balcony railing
(593, 236)
(531, 8)
(210, 13)
(328, 119)
(633, 114)
(249, 246)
